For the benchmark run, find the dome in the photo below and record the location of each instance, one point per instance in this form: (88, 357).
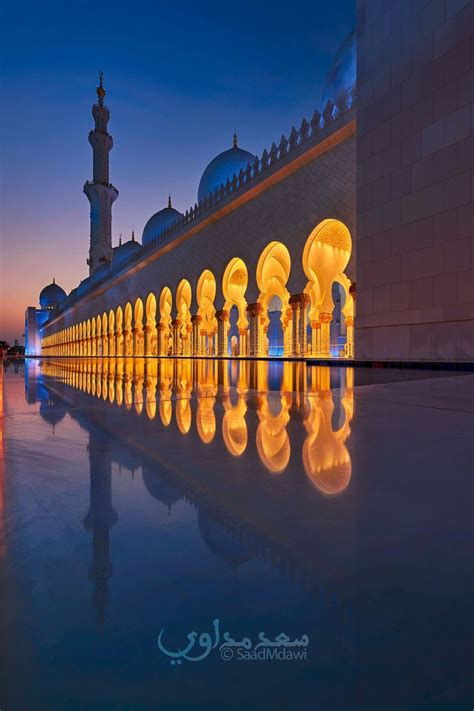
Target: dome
(159, 222)
(51, 296)
(223, 167)
(342, 74)
(124, 251)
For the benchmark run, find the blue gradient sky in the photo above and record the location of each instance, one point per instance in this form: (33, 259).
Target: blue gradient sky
(180, 77)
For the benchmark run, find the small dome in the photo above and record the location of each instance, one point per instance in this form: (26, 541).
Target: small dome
(159, 222)
(52, 296)
(223, 167)
(124, 251)
(342, 74)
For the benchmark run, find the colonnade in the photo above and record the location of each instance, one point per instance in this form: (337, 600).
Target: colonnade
(165, 325)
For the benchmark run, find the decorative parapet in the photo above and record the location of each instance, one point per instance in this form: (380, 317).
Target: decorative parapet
(298, 141)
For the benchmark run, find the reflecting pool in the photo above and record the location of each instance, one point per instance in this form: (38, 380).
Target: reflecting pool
(235, 534)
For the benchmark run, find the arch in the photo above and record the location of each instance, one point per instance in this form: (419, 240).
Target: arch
(234, 286)
(119, 331)
(273, 271)
(151, 334)
(138, 334)
(105, 335)
(205, 295)
(88, 330)
(166, 307)
(127, 331)
(111, 333)
(325, 256)
(93, 337)
(183, 314)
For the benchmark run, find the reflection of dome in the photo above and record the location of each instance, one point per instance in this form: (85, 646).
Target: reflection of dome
(223, 167)
(124, 251)
(158, 487)
(220, 542)
(342, 74)
(51, 296)
(51, 412)
(159, 222)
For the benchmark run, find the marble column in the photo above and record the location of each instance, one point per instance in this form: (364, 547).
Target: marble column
(222, 317)
(175, 325)
(325, 349)
(253, 312)
(195, 340)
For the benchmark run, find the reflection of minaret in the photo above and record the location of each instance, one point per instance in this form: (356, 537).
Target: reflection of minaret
(99, 520)
(100, 192)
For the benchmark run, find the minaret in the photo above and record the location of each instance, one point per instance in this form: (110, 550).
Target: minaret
(100, 192)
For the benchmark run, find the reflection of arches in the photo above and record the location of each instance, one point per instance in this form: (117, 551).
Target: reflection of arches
(234, 286)
(151, 340)
(273, 442)
(164, 335)
(325, 256)
(273, 271)
(326, 460)
(138, 340)
(234, 427)
(207, 326)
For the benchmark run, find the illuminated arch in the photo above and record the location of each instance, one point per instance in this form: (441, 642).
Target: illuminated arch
(94, 339)
(273, 271)
(234, 286)
(166, 307)
(138, 340)
(111, 333)
(151, 339)
(325, 256)
(183, 312)
(205, 295)
(105, 335)
(119, 331)
(127, 331)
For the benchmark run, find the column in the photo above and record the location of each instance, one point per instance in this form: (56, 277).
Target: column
(243, 341)
(253, 312)
(325, 319)
(315, 337)
(161, 345)
(302, 325)
(294, 325)
(175, 324)
(350, 336)
(222, 316)
(195, 340)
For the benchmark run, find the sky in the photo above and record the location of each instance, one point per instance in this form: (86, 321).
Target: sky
(180, 78)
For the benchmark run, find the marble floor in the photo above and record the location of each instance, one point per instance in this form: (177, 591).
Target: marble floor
(242, 535)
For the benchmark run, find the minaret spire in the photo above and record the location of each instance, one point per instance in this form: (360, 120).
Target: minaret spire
(234, 141)
(100, 192)
(169, 201)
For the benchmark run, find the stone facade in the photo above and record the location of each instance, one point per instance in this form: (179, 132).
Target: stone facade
(415, 160)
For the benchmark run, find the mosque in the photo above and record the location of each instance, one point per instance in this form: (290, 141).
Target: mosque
(376, 187)
(259, 266)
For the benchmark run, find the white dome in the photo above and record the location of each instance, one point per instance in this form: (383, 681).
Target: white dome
(223, 167)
